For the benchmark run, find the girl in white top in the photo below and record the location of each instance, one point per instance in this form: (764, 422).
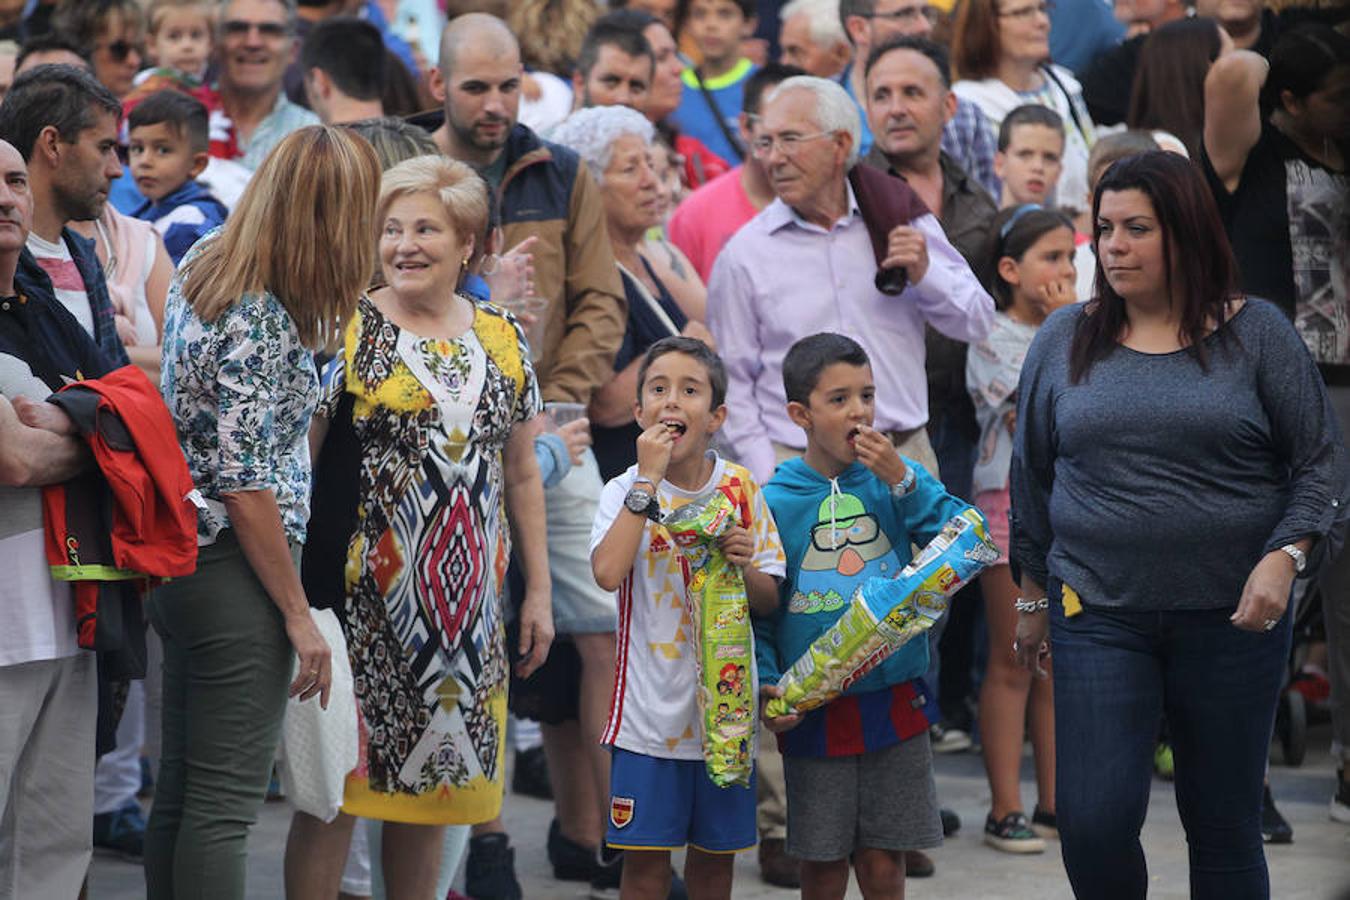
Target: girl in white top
(1000, 56)
(1029, 270)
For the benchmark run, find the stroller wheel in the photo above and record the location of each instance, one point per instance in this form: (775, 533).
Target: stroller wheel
(1291, 725)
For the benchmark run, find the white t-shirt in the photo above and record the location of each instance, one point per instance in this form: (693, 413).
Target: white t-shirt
(56, 261)
(654, 710)
(39, 612)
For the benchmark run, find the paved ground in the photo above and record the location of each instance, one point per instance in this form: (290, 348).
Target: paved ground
(1315, 867)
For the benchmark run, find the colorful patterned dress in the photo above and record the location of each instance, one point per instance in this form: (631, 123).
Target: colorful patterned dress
(426, 563)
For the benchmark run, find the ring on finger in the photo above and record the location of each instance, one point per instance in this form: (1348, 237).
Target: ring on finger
(1269, 624)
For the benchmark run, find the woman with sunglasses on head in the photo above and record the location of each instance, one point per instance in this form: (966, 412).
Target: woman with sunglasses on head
(1175, 465)
(1001, 60)
(112, 32)
(1028, 268)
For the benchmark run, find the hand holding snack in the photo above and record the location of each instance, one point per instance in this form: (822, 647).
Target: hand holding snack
(776, 724)
(737, 546)
(576, 436)
(654, 447)
(876, 451)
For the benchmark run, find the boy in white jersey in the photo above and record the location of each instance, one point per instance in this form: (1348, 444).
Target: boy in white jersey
(661, 798)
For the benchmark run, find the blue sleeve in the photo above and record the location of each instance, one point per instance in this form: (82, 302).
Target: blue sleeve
(766, 644)
(551, 454)
(927, 507)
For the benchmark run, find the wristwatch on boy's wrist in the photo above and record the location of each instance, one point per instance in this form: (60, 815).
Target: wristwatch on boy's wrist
(906, 484)
(643, 503)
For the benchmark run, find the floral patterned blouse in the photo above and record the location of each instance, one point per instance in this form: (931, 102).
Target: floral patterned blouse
(242, 390)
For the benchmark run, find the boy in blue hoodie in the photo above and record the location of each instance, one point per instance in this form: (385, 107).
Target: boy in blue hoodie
(169, 136)
(859, 770)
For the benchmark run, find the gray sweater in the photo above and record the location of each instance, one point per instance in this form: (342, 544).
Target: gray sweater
(1155, 485)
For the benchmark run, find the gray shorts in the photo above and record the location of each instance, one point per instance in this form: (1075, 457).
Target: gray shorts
(580, 606)
(884, 800)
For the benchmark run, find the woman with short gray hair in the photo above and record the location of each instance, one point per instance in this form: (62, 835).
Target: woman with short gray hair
(615, 143)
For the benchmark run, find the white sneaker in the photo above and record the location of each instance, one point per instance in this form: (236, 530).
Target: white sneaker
(948, 740)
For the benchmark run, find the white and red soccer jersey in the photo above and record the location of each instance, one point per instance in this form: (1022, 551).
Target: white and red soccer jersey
(654, 711)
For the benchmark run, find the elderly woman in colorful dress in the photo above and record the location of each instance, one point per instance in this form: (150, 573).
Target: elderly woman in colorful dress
(438, 395)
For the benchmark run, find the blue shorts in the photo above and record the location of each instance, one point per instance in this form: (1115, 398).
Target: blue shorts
(666, 804)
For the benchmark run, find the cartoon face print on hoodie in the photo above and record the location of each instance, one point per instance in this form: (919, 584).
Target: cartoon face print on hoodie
(847, 548)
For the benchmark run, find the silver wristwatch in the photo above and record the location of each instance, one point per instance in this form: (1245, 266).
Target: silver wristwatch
(1299, 557)
(643, 503)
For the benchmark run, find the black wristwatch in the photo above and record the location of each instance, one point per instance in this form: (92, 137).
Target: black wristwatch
(643, 503)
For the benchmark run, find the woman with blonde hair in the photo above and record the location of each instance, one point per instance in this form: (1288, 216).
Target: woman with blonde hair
(438, 398)
(245, 312)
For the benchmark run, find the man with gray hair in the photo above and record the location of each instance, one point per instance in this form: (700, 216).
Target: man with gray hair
(256, 44)
(812, 38)
(806, 265)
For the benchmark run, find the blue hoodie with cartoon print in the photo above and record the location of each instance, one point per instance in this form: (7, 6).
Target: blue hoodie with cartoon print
(837, 533)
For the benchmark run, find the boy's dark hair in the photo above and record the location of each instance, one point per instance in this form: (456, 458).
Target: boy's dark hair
(44, 43)
(766, 77)
(607, 32)
(701, 353)
(184, 114)
(1028, 114)
(350, 51)
(935, 53)
(64, 97)
(807, 358)
(749, 10)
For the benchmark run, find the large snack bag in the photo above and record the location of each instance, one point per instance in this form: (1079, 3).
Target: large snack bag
(885, 614)
(722, 638)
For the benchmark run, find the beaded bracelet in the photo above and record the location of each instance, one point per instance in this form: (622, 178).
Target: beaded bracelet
(1031, 606)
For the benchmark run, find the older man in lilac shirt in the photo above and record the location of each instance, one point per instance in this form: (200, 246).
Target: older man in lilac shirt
(805, 265)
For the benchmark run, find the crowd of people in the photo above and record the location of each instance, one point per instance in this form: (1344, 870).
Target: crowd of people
(430, 314)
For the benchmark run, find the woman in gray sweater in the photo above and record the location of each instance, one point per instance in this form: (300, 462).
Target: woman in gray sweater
(1174, 468)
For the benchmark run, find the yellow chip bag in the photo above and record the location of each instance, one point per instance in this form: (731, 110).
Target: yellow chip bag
(885, 614)
(722, 639)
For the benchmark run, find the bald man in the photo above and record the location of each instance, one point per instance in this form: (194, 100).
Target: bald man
(542, 190)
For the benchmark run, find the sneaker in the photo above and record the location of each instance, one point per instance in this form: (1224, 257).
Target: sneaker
(1163, 763)
(1340, 801)
(1012, 834)
(918, 864)
(1275, 829)
(609, 872)
(951, 822)
(490, 873)
(121, 831)
(571, 861)
(1043, 823)
(948, 740)
(776, 867)
(531, 775)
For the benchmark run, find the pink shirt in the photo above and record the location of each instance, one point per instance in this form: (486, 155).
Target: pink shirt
(707, 219)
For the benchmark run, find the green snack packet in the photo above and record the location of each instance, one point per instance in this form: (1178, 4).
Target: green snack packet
(885, 614)
(721, 636)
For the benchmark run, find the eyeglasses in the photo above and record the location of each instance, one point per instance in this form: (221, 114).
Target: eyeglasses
(908, 15)
(1044, 8)
(787, 144)
(120, 49)
(238, 28)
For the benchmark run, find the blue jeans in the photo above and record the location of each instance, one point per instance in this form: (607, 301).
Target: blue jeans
(1116, 673)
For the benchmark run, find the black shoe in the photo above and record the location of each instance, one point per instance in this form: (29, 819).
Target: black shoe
(951, 822)
(1044, 823)
(1275, 829)
(571, 861)
(490, 873)
(531, 775)
(608, 874)
(121, 831)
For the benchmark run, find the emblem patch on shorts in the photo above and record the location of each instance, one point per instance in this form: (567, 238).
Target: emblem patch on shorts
(620, 811)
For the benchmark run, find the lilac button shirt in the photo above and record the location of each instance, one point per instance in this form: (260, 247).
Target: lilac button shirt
(781, 278)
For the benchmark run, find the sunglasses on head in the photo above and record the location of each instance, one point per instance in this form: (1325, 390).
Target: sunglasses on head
(240, 28)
